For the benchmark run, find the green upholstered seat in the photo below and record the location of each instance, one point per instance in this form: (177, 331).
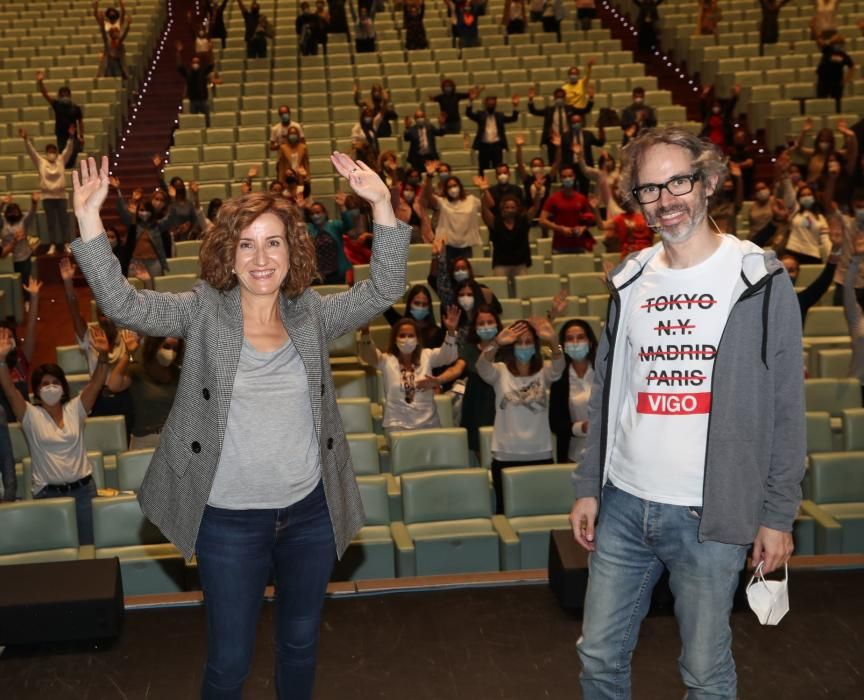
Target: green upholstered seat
(423, 450)
(37, 531)
(837, 488)
(371, 553)
(852, 420)
(131, 467)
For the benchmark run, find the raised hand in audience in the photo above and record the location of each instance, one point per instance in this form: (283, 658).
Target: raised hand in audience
(559, 305)
(509, 335)
(843, 128)
(450, 321)
(442, 118)
(520, 140)
(35, 197)
(131, 340)
(157, 160)
(515, 100)
(32, 287)
(40, 76)
(99, 341)
(22, 133)
(481, 183)
(431, 167)
(67, 269)
(544, 329)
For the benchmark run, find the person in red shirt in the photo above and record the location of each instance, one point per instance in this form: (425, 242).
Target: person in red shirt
(628, 231)
(568, 215)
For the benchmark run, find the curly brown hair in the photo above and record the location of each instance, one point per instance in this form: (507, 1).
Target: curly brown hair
(219, 248)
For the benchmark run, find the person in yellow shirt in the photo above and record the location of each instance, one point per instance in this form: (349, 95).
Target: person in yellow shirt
(576, 87)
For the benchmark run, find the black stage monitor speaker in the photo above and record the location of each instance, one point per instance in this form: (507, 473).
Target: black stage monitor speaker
(568, 578)
(60, 601)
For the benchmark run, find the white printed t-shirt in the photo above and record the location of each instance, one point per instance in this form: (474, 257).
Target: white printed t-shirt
(674, 325)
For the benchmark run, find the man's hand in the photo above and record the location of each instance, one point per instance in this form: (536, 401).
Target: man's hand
(583, 517)
(772, 547)
(40, 76)
(67, 269)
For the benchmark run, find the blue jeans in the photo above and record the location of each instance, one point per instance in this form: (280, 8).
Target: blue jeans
(635, 540)
(83, 496)
(236, 550)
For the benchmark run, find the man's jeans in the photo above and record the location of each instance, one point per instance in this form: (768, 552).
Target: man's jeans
(236, 550)
(635, 540)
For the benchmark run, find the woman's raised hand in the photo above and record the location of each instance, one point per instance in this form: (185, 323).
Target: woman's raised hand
(363, 180)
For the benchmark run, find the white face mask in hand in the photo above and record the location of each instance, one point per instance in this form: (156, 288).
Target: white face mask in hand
(768, 599)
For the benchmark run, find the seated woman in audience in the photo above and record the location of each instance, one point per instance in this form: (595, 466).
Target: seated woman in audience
(415, 31)
(153, 385)
(508, 232)
(418, 307)
(458, 214)
(478, 398)
(406, 367)
(409, 208)
(568, 397)
(537, 180)
(54, 428)
(823, 147)
(14, 239)
(521, 434)
(293, 154)
(445, 276)
(808, 229)
(357, 237)
(728, 201)
(333, 264)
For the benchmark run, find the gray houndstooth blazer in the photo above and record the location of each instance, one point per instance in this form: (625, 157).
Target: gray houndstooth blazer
(178, 481)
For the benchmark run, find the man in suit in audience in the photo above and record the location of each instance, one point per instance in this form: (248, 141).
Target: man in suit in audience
(556, 117)
(420, 136)
(491, 139)
(580, 138)
(637, 116)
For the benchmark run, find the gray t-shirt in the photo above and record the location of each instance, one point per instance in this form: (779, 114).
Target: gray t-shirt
(270, 457)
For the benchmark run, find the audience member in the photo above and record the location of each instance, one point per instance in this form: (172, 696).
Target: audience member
(326, 233)
(578, 144)
(823, 147)
(568, 215)
(217, 21)
(508, 226)
(54, 428)
(406, 368)
(279, 131)
(14, 239)
(251, 15)
(357, 235)
(503, 187)
(448, 99)
(521, 433)
(648, 25)
(113, 62)
(464, 16)
(727, 202)
(490, 142)
(458, 220)
(364, 136)
(311, 30)
(709, 17)
(576, 87)
(637, 116)
(514, 17)
(19, 363)
(293, 155)
(197, 77)
(627, 232)
(551, 17)
(154, 382)
(204, 45)
(586, 10)
(420, 137)
(823, 24)
(408, 207)
(556, 119)
(338, 17)
(813, 293)
(418, 307)
(412, 20)
(835, 70)
(569, 395)
(364, 33)
(852, 226)
(606, 176)
(52, 185)
(446, 275)
(718, 115)
(769, 27)
(537, 181)
(67, 114)
(808, 229)
(854, 316)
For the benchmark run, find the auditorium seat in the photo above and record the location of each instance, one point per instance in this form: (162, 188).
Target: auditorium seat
(853, 428)
(833, 363)
(582, 284)
(148, 562)
(528, 286)
(537, 499)
(72, 360)
(429, 449)
(832, 395)
(187, 265)
(838, 489)
(564, 265)
(131, 467)
(107, 434)
(371, 553)
(447, 525)
(38, 531)
(177, 283)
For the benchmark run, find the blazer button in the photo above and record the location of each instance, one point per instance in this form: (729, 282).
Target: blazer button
(329, 443)
(322, 389)
(206, 394)
(196, 447)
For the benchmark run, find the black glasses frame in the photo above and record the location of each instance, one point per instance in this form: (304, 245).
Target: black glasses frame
(692, 178)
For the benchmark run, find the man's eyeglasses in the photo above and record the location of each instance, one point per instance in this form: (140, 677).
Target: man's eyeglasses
(678, 186)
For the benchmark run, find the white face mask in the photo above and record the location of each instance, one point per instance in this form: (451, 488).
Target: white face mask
(51, 394)
(460, 275)
(406, 345)
(466, 302)
(503, 178)
(768, 599)
(166, 356)
(763, 195)
(537, 170)
(453, 192)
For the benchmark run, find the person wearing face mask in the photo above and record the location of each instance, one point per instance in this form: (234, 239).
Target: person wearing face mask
(113, 62)
(412, 20)
(406, 368)
(503, 187)
(251, 15)
(310, 29)
(578, 144)
(851, 228)
(66, 114)
(293, 155)
(514, 17)
(569, 395)
(279, 131)
(197, 77)
(179, 220)
(508, 226)
(458, 215)
(536, 181)
(420, 136)
(648, 25)
(145, 235)
(364, 32)
(605, 176)
(490, 141)
(464, 16)
(823, 148)
(364, 136)
(13, 237)
(358, 236)
(51, 167)
(333, 265)
(54, 428)
(718, 115)
(768, 215)
(218, 30)
(568, 215)
(418, 308)
(409, 207)
(556, 118)
(836, 69)
(448, 99)
(520, 378)
(639, 114)
(808, 229)
(154, 383)
(576, 87)
(728, 201)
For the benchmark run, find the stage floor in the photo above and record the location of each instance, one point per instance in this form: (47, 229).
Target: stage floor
(510, 642)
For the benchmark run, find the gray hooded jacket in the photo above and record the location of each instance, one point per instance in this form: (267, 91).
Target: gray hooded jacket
(756, 451)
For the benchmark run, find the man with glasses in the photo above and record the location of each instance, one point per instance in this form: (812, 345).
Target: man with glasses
(695, 449)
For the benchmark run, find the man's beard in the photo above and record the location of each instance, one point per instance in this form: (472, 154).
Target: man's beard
(683, 230)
